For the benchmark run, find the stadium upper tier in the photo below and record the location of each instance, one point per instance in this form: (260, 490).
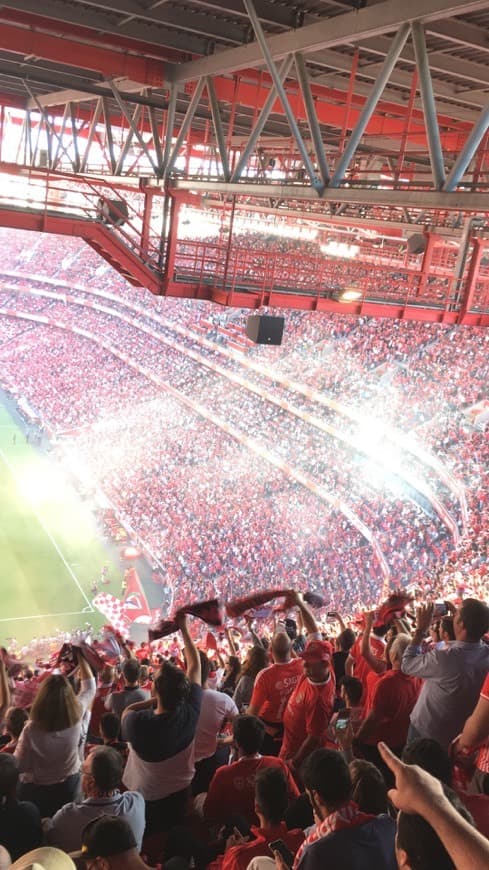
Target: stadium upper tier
(348, 456)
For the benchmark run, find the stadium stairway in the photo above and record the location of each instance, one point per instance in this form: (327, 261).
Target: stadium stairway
(107, 242)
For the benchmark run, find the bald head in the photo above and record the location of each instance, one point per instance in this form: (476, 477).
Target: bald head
(281, 646)
(5, 861)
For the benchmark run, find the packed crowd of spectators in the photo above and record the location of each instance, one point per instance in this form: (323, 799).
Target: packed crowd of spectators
(277, 734)
(293, 735)
(378, 369)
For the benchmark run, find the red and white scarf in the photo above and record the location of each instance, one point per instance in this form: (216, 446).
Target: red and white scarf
(348, 816)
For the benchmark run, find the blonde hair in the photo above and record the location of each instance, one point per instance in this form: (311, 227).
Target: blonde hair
(55, 706)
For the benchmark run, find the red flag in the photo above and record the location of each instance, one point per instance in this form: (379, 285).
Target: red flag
(210, 641)
(135, 603)
(239, 606)
(209, 611)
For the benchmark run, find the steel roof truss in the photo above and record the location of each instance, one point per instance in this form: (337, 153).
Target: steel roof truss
(312, 119)
(429, 107)
(109, 136)
(468, 151)
(370, 104)
(261, 121)
(133, 124)
(315, 181)
(91, 134)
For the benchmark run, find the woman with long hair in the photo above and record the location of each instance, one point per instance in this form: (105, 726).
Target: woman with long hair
(256, 660)
(50, 747)
(230, 678)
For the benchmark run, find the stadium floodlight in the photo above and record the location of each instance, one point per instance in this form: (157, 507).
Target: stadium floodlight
(350, 294)
(340, 249)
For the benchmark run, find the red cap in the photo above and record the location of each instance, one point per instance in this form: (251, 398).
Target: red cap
(317, 651)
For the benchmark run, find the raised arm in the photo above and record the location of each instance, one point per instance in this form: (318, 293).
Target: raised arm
(294, 599)
(374, 663)
(414, 661)
(88, 683)
(232, 645)
(416, 791)
(339, 618)
(191, 652)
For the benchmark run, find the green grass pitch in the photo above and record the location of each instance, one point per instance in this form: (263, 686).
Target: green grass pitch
(50, 548)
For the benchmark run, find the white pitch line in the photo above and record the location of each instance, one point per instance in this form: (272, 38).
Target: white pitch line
(48, 533)
(46, 615)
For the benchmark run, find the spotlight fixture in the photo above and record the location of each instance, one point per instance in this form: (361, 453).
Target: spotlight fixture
(351, 295)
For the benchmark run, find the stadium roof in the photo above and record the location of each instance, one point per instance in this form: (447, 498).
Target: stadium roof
(360, 109)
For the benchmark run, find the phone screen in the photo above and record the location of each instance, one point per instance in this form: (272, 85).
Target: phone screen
(283, 850)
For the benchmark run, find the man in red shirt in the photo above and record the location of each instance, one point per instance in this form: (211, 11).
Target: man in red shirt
(273, 688)
(232, 788)
(393, 697)
(310, 706)
(275, 684)
(271, 801)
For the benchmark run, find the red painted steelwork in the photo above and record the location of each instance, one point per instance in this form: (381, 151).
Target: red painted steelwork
(107, 61)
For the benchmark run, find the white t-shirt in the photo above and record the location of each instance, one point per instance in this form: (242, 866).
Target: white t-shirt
(215, 708)
(47, 757)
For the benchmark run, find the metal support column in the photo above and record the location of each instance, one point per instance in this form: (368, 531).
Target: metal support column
(458, 169)
(91, 133)
(145, 229)
(312, 119)
(218, 128)
(192, 106)
(261, 39)
(171, 242)
(429, 107)
(74, 133)
(170, 123)
(431, 243)
(468, 297)
(156, 140)
(461, 261)
(109, 137)
(261, 121)
(371, 102)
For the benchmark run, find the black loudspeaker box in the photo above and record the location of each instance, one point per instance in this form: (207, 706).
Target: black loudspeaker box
(112, 212)
(417, 243)
(263, 329)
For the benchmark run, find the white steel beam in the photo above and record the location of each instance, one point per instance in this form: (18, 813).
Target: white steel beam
(60, 98)
(353, 27)
(419, 199)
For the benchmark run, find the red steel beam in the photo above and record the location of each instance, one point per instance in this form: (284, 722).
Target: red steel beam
(127, 43)
(312, 303)
(107, 61)
(333, 114)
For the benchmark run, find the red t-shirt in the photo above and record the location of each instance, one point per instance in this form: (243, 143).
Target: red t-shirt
(232, 788)
(393, 698)
(362, 667)
(307, 714)
(273, 688)
(370, 683)
(238, 857)
(483, 756)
